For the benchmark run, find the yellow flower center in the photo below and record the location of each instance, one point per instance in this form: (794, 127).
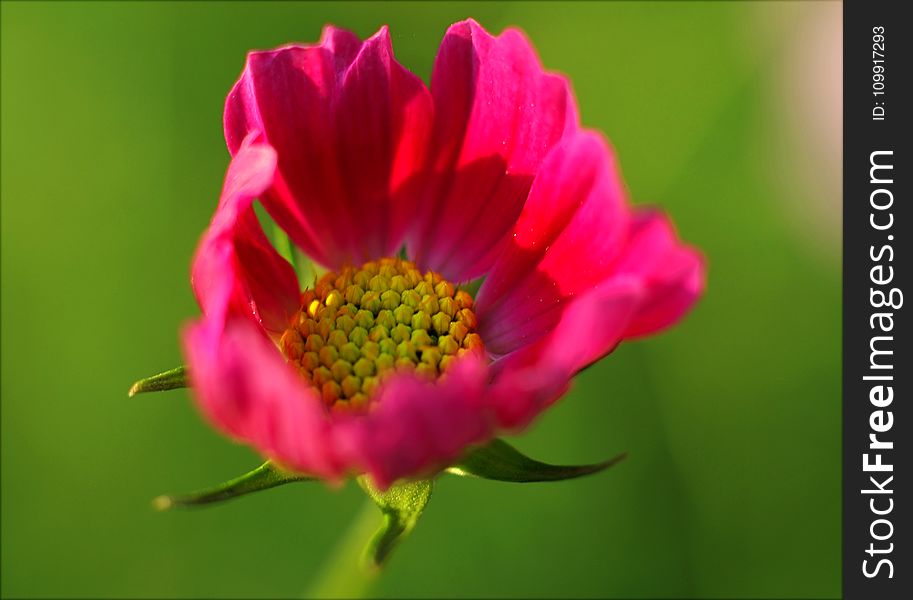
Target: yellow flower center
(362, 324)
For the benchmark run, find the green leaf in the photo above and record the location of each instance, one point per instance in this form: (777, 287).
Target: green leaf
(263, 477)
(169, 380)
(401, 505)
(284, 246)
(502, 462)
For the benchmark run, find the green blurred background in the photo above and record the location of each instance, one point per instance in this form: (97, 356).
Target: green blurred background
(727, 114)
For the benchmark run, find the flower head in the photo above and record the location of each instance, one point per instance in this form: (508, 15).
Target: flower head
(392, 366)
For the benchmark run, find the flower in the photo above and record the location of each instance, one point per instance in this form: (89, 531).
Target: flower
(388, 366)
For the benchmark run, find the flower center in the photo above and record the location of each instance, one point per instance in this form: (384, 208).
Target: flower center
(362, 324)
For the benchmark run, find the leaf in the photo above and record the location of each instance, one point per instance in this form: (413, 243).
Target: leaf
(284, 246)
(168, 380)
(263, 477)
(502, 462)
(401, 505)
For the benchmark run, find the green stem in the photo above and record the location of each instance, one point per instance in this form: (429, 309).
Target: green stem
(343, 575)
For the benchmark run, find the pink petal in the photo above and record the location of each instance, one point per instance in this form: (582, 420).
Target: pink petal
(654, 281)
(532, 378)
(672, 274)
(497, 114)
(563, 244)
(350, 126)
(244, 387)
(234, 254)
(416, 426)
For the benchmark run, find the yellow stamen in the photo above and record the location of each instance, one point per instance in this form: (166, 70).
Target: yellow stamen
(359, 325)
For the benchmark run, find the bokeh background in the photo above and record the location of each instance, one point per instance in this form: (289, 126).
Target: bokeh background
(727, 114)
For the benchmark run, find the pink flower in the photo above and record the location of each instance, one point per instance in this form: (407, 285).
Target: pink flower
(386, 366)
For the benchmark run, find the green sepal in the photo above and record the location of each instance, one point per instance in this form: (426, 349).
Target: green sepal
(500, 461)
(168, 380)
(401, 505)
(472, 287)
(263, 477)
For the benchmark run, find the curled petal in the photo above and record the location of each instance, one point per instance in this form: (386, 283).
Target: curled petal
(236, 271)
(416, 426)
(672, 273)
(497, 114)
(244, 387)
(529, 380)
(653, 281)
(563, 244)
(350, 126)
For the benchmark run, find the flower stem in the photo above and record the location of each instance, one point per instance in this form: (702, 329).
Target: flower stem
(343, 575)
